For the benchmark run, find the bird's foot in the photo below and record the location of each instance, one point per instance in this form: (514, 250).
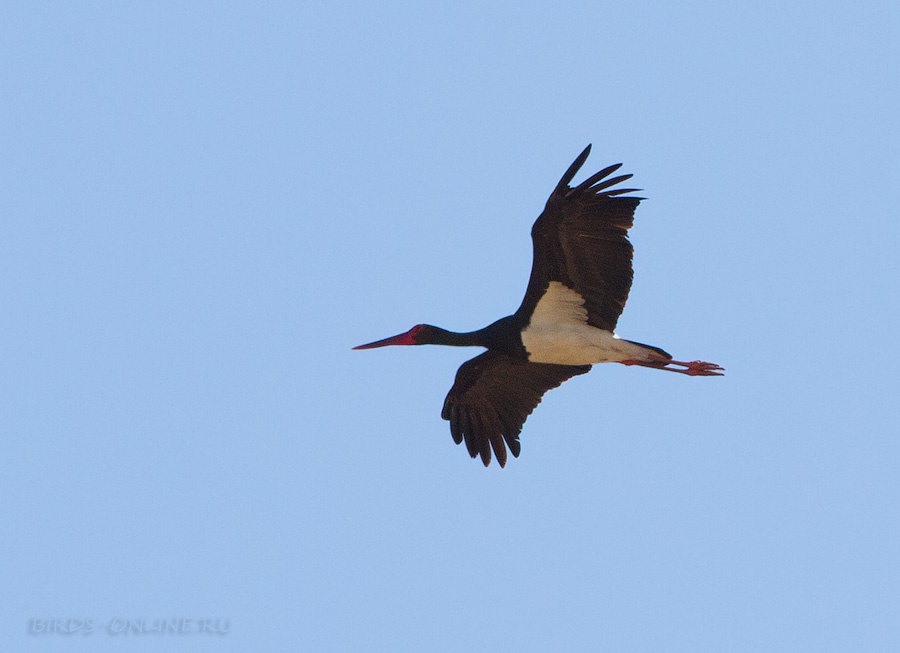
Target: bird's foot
(697, 368)
(693, 368)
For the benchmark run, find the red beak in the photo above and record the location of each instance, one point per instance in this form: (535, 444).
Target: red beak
(401, 339)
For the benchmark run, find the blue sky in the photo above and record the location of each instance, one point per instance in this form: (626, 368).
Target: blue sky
(205, 207)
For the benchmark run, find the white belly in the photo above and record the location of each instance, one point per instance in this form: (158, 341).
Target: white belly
(559, 333)
(580, 345)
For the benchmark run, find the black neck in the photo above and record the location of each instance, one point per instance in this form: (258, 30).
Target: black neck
(502, 335)
(454, 339)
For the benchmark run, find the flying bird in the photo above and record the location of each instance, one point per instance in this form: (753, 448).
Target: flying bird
(580, 278)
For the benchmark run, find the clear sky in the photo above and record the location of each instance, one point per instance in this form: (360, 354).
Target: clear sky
(204, 206)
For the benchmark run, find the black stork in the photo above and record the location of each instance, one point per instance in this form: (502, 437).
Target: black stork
(580, 278)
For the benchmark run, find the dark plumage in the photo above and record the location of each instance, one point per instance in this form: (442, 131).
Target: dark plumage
(580, 279)
(492, 397)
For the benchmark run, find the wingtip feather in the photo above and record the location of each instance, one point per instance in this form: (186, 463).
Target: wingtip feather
(573, 170)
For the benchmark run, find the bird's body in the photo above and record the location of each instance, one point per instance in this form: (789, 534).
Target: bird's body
(580, 279)
(558, 332)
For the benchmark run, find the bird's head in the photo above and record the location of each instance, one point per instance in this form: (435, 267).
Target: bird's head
(421, 334)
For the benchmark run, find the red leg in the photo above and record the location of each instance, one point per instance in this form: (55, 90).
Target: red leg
(694, 368)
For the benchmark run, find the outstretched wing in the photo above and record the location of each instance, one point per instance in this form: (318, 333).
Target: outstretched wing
(492, 397)
(580, 240)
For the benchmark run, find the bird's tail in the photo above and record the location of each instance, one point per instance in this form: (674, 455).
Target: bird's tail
(662, 352)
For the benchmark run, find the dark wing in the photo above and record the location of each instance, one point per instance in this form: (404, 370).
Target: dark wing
(492, 397)
(581, 241)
